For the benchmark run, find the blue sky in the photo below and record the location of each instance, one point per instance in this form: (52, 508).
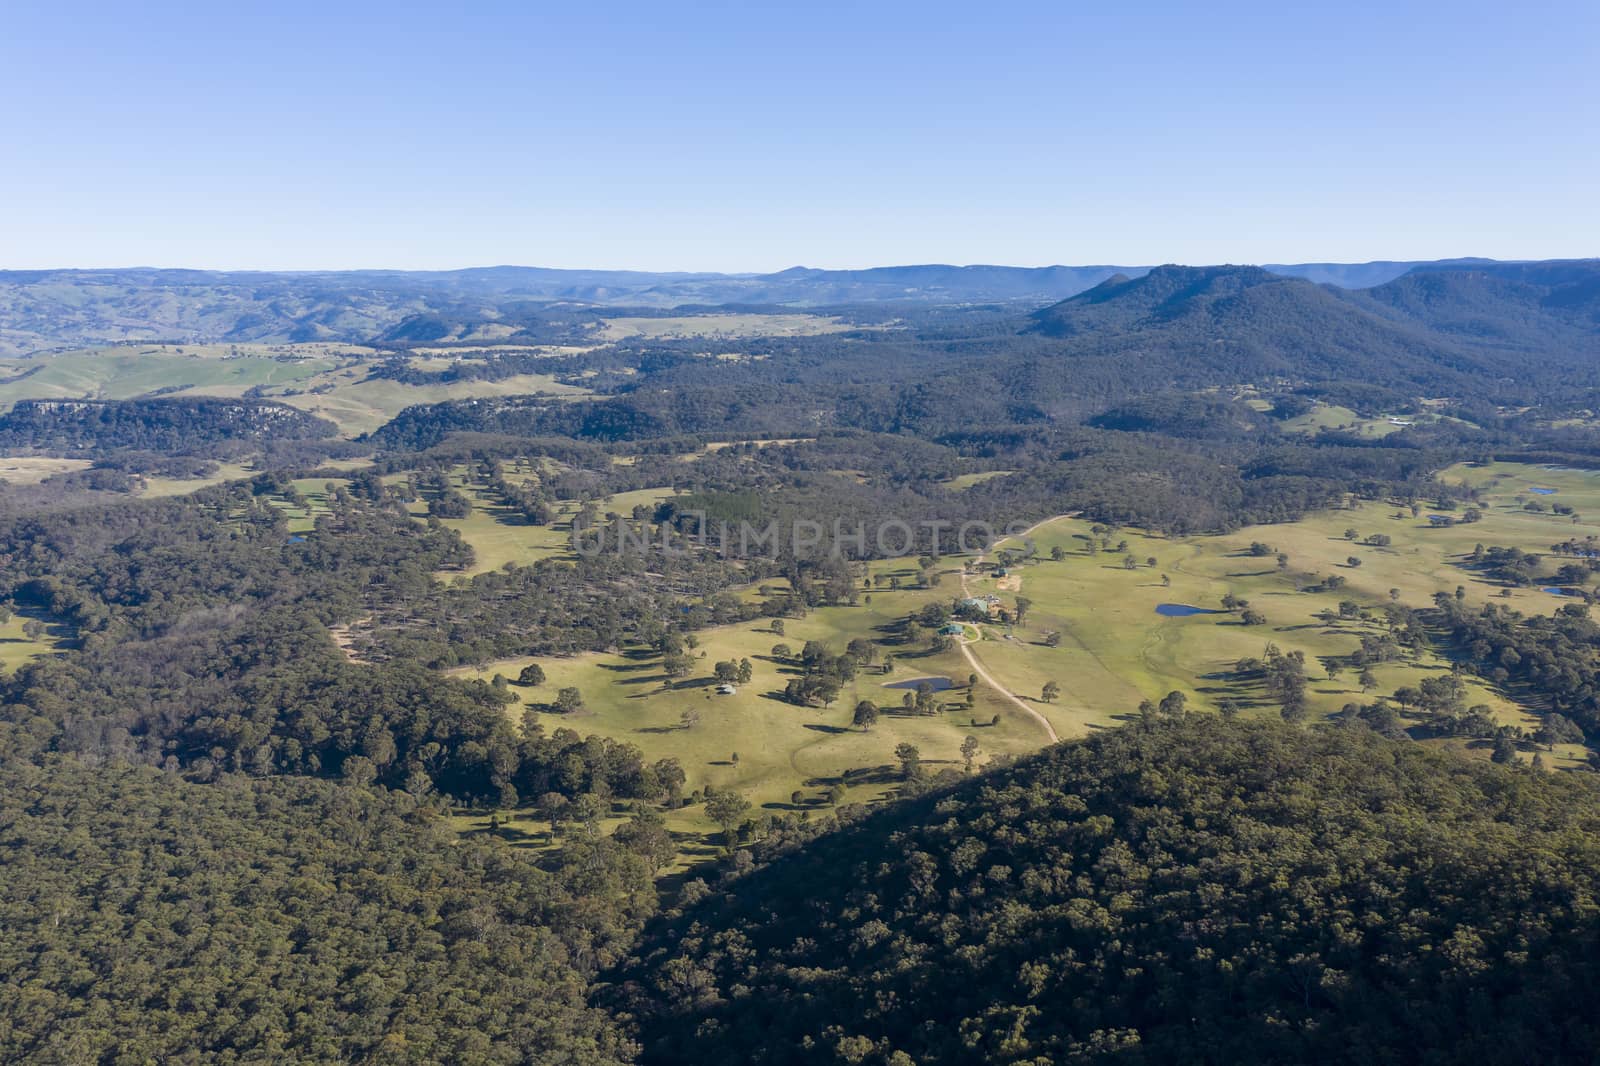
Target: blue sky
(755, 136)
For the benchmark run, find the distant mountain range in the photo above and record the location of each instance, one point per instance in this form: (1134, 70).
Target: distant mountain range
(53, 309)
(1485, 319)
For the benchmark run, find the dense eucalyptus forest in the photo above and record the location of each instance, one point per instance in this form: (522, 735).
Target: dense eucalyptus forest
(231, 778)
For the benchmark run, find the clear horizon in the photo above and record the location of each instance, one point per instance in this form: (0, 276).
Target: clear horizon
(758, 273)
(749, 140)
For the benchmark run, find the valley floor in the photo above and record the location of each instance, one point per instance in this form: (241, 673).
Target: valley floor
(1112, 648)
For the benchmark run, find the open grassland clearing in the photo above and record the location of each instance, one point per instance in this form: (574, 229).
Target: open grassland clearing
(1116, 650)
(966, 481)
(308, 502)
(499, 534)
(1113, 648)
(1332, 416)
(27, 634)
(358, 403)
(332, 381)
(122, 373)
(172, 486)
(32, 469)
(781, 756)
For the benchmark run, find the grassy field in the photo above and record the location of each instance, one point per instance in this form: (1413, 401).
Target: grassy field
(1115, 649)
(17, 648)
(357, 405)
(124, 372)
(966, 481)
(328, 380)
(167, 486)
(30, 470)
(499, 535)
(781, 749)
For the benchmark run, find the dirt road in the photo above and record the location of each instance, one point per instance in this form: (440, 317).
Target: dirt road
(979, 669)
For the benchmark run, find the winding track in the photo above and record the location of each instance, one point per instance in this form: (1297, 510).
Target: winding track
(979, 669)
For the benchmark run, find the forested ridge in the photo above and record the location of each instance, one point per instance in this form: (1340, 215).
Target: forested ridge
(1191, 891)
(172, 425)
(151, 919)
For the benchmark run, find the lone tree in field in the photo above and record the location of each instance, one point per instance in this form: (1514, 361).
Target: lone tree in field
(782, 652)
(866, 715)
(969, 752)
(727, 809)
(532, 674)
(689, 718)
(1051, 691)
(1023, 603)
(910, 760)
(726, 672)
(569, 700)
(746, 671)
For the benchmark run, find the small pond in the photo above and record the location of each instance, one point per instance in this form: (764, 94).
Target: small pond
(1182, 610)
(1557, 590)
(1536, 490)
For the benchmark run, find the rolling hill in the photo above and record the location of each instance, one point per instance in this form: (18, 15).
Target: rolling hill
(1196, 891)
(1426, 330)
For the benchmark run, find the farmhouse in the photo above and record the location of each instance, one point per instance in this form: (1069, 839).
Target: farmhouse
(978, 607)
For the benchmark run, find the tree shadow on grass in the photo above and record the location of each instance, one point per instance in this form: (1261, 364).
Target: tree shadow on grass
(628, 667)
